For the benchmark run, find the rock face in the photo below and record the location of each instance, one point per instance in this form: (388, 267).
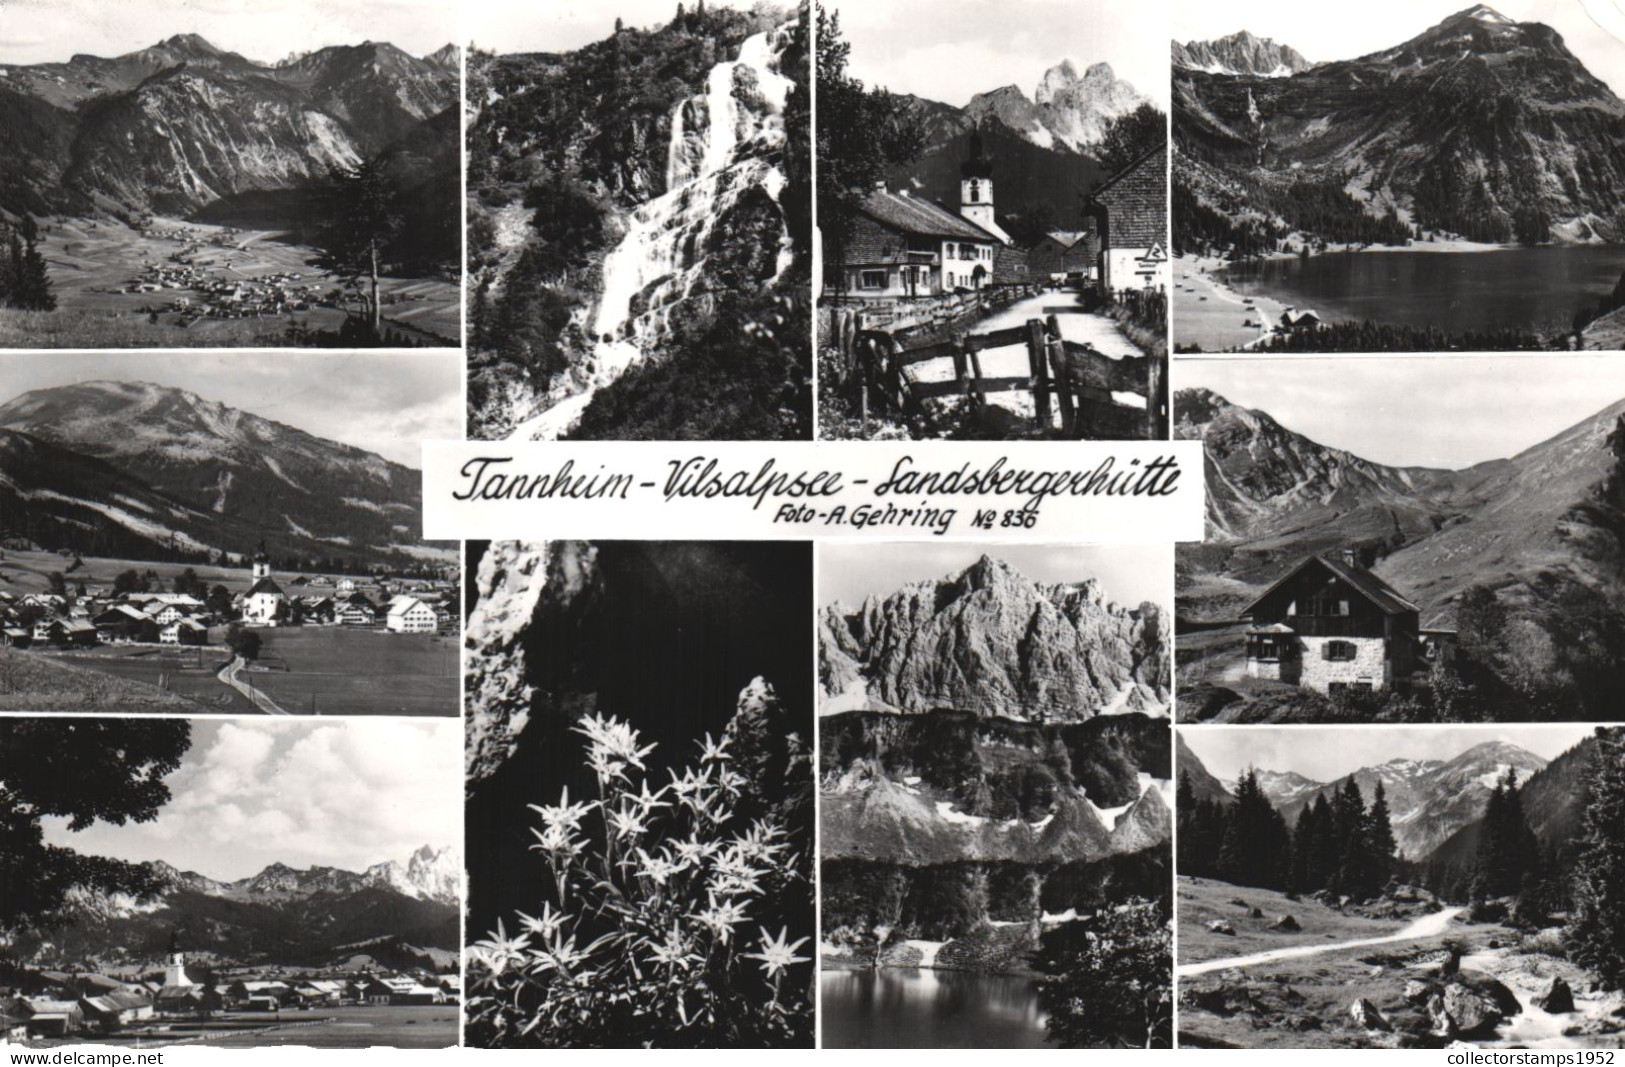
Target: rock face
(1480, 125)
(991, 641)
(1240, 53)
(182, 124)
(947, 787)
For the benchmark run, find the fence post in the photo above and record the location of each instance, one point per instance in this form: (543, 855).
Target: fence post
(962, 368)
(1038, 359)
(1156, 428)
(1063, 380)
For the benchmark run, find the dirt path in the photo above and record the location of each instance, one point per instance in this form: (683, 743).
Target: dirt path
(1425, 927)
(229, 675)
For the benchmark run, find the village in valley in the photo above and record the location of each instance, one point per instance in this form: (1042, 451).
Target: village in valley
(238, 636)
(997, 269)
(181, 1002)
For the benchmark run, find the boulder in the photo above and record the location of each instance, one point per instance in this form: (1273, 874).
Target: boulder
(1474, 1011)
(1286, 923)
(1238, 902)
(1417, 992)
(1255, 913)
(1366, 1016)
(1557, 998)
(1219, 926)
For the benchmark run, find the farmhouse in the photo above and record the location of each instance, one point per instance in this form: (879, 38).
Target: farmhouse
(1332, 626)
(1065, 257)
(64, 632)
(125, 623)
(184, 632)
(905, 246)
(1131, 217)
(409, 615)
(116, 1009)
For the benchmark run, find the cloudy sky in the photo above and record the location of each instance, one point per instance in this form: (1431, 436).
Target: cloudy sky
(948, 50)
(1327, 753)
(337, 793)
(1129, 574)
(1437, 411)
(1594, 30)
(505, 26)
(388, 404)
(50, 31)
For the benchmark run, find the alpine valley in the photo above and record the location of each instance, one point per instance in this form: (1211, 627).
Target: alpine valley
(1524, 556)
(1478, 133)
(1442, 896)
(179, 193)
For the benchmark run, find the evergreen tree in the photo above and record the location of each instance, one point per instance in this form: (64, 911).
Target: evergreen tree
(1326, 855)
(1349, 825)
(1255, 845)
(1303, 838)
(361, 223)
(1596, 932)
(1381, 847)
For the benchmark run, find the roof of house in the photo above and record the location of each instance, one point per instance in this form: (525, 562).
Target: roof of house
(1136, 202)
(404, 606)
(1384, 596)
(910, 214)
(265, 585)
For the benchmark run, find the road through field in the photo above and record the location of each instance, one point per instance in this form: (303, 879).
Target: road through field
(1427, 926)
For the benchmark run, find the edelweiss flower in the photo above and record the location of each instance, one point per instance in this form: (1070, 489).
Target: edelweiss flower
(614, 737)
(721, 917)
(674, 951)
(713, 751)
(657, 868)
(627, 823)
(498, 949)
(564, 814)
(556, 839)
(547, 924)
(690, 784)
(693, 852)
(649, 801)
(777, 954)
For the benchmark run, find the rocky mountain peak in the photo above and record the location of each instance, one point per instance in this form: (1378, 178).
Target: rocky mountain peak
(1241, 53)
(190, 42)
(991, 640)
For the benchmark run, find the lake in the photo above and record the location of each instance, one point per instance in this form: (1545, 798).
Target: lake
(901, 1007)
(1520, 288)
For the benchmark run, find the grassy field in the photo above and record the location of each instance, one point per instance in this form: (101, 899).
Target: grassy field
(1305, 1001)
(190, 673)
(1201, 901)
(31, 682)
(23, 572)
(418, 1026)
(86, 260)
(342, 671)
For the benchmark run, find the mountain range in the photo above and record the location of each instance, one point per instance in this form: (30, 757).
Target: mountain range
(183, 124)
(1240, 53)
(314, 916)
(146, 471)
(991, 641)
(1429, 800)
(1043, 147)
(1480, 125)
(1531, 527)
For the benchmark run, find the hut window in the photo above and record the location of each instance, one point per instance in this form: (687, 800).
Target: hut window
(1338, 651)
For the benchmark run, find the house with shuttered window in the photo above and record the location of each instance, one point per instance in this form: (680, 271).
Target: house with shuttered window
(1331, 625)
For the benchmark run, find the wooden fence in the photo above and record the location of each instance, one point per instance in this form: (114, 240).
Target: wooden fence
(1062, 374)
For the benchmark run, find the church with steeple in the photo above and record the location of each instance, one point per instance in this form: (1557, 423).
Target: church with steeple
(265, 603)
(976, 189)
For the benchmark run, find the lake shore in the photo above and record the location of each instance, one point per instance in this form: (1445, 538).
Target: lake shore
(1210, 313)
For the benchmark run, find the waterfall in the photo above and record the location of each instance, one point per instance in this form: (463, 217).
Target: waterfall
(713, 159)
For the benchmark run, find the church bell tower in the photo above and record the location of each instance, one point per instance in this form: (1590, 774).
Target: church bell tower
(976, 187)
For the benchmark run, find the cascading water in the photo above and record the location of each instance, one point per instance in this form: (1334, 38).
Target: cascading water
(714, 158)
